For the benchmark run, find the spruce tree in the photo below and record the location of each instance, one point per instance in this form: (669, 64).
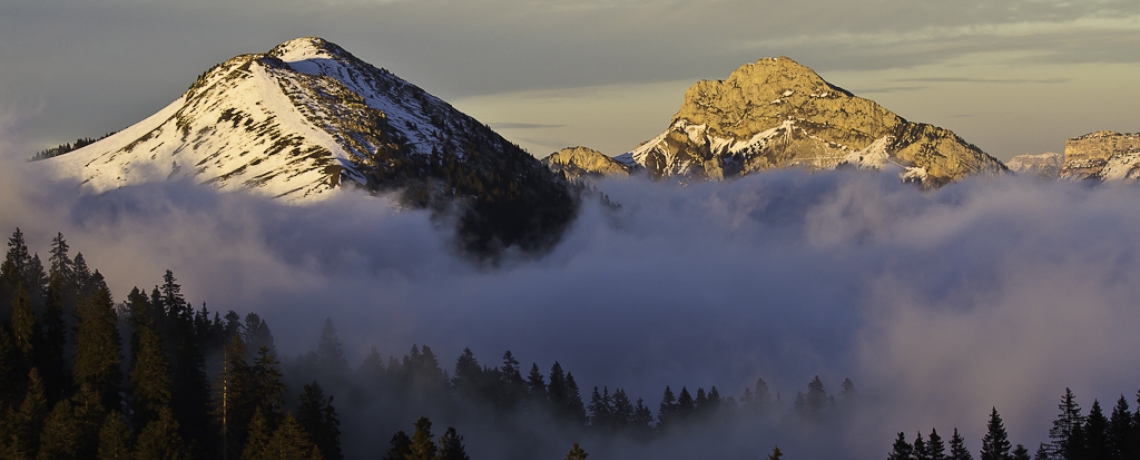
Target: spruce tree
(901, 450)
(235, 398)
(12, 379)
(685, 404)
(290, 442)
(97, 354)
(258, 436)
(1020, 453)
(535, 389)
(60, 437)
(574, 407)
(512, 385)
(318, 417)
(667, 410)
(422, 446)
(1096, 433)
(150, 377)
(958, 450)
(159, 439)
(25, 424)
(995, 443)
(1067, 425)
(401, 447)
(816, 398)
(1120, 429)
(577, 453)
(776, 454)
(622, 410)
(935, 447)
(920, 451)
(114, 438)
(451, 446)
(52, 347)
(25, 326)
(468, 376)
(268, 387)
(331, 354)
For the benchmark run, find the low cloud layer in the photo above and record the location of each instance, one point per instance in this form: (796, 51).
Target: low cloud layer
(937, 304)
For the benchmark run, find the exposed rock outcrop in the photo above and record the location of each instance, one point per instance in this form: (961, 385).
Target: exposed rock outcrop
(578, 162)
(1046, 165)
(776, 113)
(1102, 155)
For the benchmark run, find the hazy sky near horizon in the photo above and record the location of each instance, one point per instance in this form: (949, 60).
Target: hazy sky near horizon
(1012, 76)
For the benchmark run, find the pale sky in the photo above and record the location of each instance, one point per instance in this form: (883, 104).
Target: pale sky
(1011, 76)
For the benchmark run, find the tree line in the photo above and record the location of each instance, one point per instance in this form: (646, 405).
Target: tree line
(1073, 436)
(153, 376)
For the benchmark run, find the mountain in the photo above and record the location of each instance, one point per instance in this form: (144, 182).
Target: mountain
(1046, 165)
(578, 162)
(1103, 156)
(776, 113)
(308, 118)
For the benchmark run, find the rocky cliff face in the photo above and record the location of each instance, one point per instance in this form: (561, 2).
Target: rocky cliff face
(578, 162)
(1046, 165)
(776, 113)
(1102, 155)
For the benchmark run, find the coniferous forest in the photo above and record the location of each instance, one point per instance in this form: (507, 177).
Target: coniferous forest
(86, 374)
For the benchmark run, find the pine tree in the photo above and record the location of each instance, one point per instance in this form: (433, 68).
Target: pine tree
(576, 453)
(667, 410)
(89, 415)
(290, 442)
(52, 357)
(622, 410)
(60, 265)
(1068, 423)
(920, 451)
(1096, 433)
(935, 447)
(816, 398)
(25, 424)
(776, 453)
(114, 438)
(422, 446)
(98, 359)
(535, 389)
(401, 447)
(601, 410)
(685, 404)
(268, 387)
(318, 417)
(159, 439)
(901, 450)
(25, 326)
(958, 450)
(1020, 453)
(468, 376)
(451, 446)
(574, 406)
(259, 433)
(149, 379)
(1120, 428)
(331, 354)
(995, 443)
(513, 387)
(60, 437)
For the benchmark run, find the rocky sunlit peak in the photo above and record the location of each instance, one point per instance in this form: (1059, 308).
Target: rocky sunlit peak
(1102, 155)
(777, 113)
(577, 162)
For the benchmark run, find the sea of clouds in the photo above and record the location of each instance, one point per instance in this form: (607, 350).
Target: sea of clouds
(938, 304)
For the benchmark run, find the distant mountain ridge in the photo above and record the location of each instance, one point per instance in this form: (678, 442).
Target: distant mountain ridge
(776, 113)
(307, 118)
(1103, 156)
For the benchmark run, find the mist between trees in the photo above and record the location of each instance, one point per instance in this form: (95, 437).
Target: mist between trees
(155, 377)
